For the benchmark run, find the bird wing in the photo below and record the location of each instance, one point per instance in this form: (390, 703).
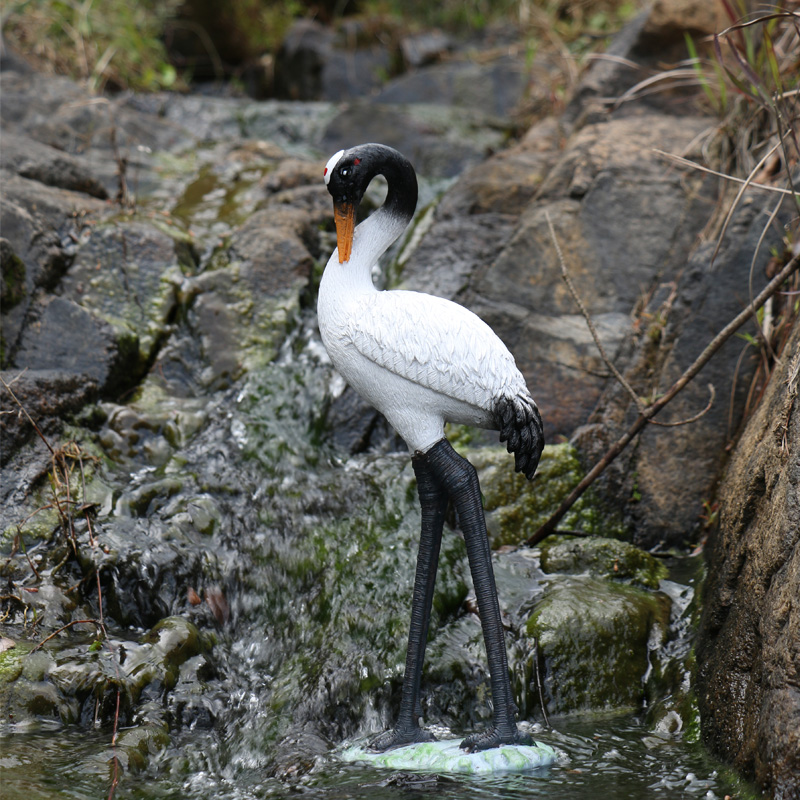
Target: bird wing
(435, 343)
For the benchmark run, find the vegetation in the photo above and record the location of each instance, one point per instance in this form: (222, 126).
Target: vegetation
(149, 46)
(111, 44)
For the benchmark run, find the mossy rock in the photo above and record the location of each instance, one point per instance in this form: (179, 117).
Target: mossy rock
(164, 649)
(594, 640)
(137, 744)
(26, 697)
(128, 273)
(602, 558)
(515, 507)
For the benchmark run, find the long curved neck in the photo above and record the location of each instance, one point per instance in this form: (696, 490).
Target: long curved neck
(376, 233)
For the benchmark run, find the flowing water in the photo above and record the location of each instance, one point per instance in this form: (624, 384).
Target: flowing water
(616, 758)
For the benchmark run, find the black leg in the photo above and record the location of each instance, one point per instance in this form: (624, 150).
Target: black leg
(433, 499)
(460, 480)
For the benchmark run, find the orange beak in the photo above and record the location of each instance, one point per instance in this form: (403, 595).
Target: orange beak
(344, 215)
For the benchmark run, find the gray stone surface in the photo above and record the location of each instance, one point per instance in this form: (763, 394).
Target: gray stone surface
(748, 650)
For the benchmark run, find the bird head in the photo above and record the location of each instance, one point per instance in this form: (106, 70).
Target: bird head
(347, 176)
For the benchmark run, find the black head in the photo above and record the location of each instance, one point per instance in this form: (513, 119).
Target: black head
(348, 173)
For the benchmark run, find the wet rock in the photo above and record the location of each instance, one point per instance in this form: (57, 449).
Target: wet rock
(137, 744)
(602, 558)
(594, 639)
(85, 682)
(357, 428)
(42, 227)
(63, 336)
(27, 699)
(243, 309)
(127, 274)
(45, 164)
(748, 649)
(151, 426)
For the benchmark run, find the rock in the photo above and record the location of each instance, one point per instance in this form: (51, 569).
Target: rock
(495, 87)
(602, 558)
(42, 227)
(671, 20)
(439, 141)
(475, 219)
(594, 639)
(61, 335)
(45, 164)
(608, 217)
(312, 64)
(422, 49)
(13, 287)
(107, 137)
(114, 681)
(128, 274)
(452, 250)
(748, 648)
(243, 310)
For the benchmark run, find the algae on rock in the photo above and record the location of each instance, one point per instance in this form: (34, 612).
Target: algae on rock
(515, 507)
(594, 638)
(602, 558)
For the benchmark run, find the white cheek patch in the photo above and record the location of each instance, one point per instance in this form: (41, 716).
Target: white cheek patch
(332, 162)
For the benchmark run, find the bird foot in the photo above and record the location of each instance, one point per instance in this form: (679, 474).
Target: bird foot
(494, 737)
(397, 737)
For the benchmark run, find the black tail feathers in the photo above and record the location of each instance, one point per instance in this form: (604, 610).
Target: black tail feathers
(521, 427)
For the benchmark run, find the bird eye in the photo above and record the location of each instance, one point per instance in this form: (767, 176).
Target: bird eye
(344, 172)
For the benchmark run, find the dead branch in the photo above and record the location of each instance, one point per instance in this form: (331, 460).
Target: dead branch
(644, 417)
(94, 622)
(712, 394)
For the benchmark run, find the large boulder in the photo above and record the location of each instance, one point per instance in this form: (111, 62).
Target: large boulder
(748, 649)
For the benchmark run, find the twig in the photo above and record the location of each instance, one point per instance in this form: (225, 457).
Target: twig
(565, 275)
(539, 680)
(30, 418)
(753, 185)
(69, 625)
(115, 777)
(641, 421)
(735, 204)
(712, 394)
(25, 551)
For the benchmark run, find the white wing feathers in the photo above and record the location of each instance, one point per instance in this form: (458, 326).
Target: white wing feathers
(435, 343)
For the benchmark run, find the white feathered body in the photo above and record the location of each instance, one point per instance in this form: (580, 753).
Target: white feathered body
(420, 360)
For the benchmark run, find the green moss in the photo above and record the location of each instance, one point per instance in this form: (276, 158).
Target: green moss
(516, 507)
(602, 558)
(12, 269)
(594, 637)
(11, 662)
